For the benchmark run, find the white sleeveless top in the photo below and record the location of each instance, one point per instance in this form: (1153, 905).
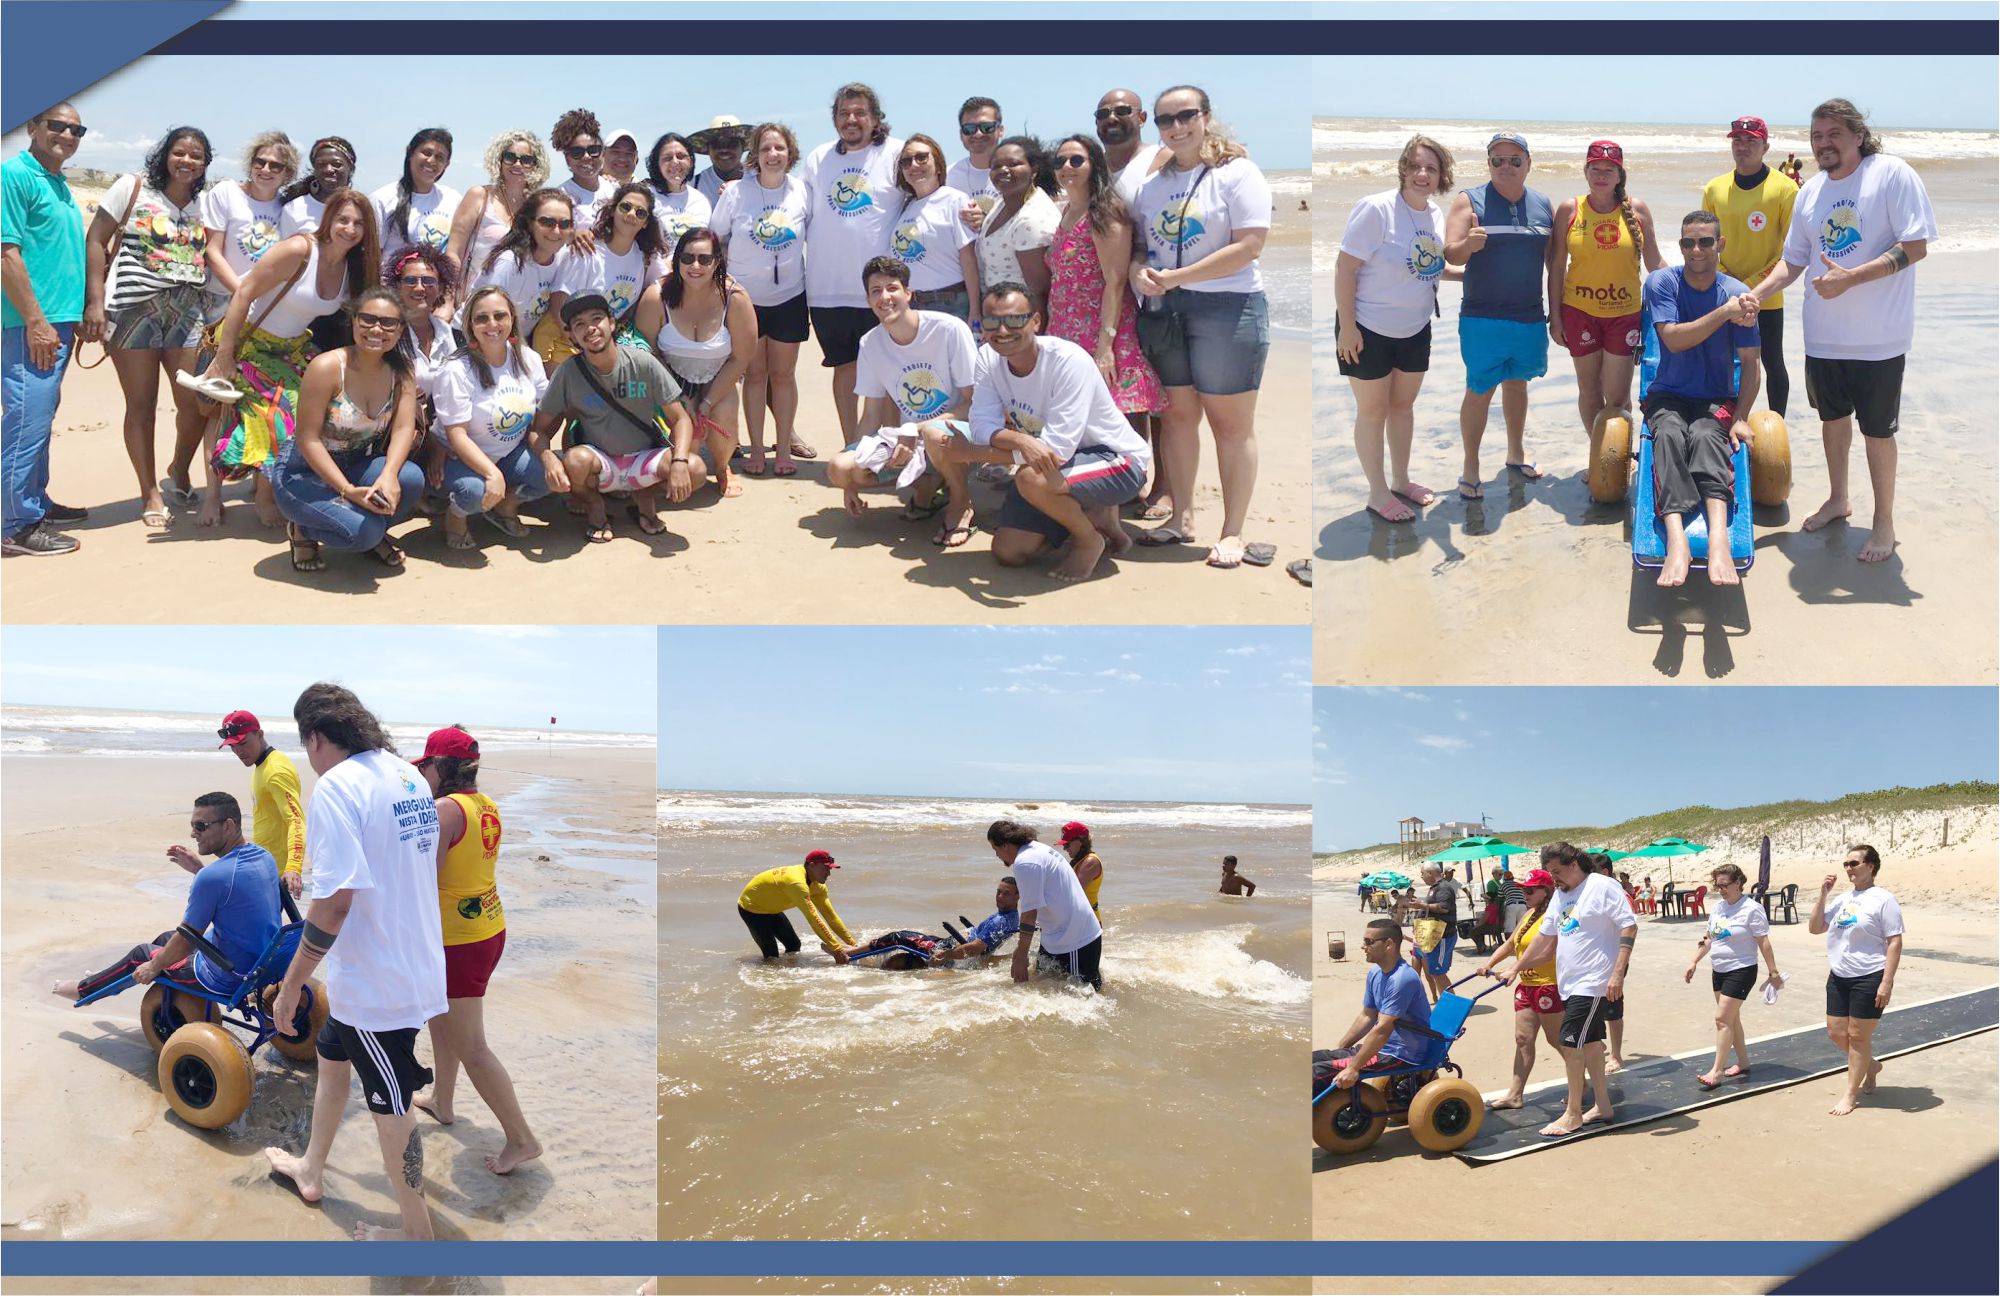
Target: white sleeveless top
(297, 309)
(691, 361)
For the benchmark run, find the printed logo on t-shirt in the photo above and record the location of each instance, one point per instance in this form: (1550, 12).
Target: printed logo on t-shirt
(1566, 923)
(621, 293)
(1426, 258)
(1756, 222)
(773, 230)
(1719, 928)
(905, 244)
(850, 194)
(1847, 917)
(1179, 223)
(1842, 231)
(1023, 419)
(256, 238)
(434, 230)
(489, 831)
(919, 392)
(674, 225)
(540, 306)
(1606, 233)
(513, 407)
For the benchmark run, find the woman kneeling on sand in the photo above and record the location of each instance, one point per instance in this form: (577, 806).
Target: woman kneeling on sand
(1537, 1005)
(1864, 945)
(475, 932)
(1737, 932)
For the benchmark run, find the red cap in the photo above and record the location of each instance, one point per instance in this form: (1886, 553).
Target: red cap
(1073, 830)
(1751, 126)
(453, 744)
(820, 857)
(1539, 878)
(236, 727)
(1604, 151)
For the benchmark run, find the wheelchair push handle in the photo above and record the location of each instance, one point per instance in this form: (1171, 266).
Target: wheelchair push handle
(1473, 976)
(203, 944)
(291, 906)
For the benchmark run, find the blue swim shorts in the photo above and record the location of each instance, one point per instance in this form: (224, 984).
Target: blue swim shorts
(1497, 351)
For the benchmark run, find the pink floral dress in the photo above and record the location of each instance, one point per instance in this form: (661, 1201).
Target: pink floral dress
(1076, 294)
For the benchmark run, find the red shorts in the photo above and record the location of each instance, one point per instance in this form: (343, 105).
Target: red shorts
(467, 968)
(1588, 334)
(1542, 999)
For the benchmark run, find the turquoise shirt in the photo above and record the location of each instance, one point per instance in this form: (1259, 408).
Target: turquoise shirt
(39, 215)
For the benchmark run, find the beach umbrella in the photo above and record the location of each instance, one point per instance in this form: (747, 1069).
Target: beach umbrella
(1764, 865)
(1388, 878)
(1613, 855)
(1667, 848)
(1476, 848)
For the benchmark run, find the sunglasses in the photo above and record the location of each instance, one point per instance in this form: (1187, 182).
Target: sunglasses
(203, 825)
(554, 223)
(268, 164)
(915, 158)
(517, 159)
(1515, 161)
(1181, 118)
(231, 731)
(584, 150)
(493, 317)
(1073, 160)
(969, 129)
(1705, 242)
(363, 319)
(697, 258)
(418, 281)
(1115, 110)
(635, 209)
(994, 323)
(76, 130)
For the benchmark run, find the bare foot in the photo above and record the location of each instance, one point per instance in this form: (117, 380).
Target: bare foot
(1083, 558)
(1557, 1128)
(1831, 511)
(295, 1169)
(1597, 1116)
(1881, 543)
(1847, 1103)
(70, 990)
(1736, 1072)
(1868, 1085)
(1612, 1066)
(440, 1111)
(514, 1154)
(211, 512)
(850, 499)
(1722, 568)
(1674, 571)
(1116, 541)
(1709, 1080)
(726, 483)
(366, 1232)
(1512, 1102)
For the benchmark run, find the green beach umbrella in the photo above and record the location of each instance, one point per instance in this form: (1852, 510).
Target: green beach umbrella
(1382, 878)
(1613, 855)
(1666, 848)
(1474, 848)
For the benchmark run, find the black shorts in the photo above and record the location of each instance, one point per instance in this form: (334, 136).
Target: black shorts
(386, 1061)
(1583, 1020)
(1853, 996)
(1870, 390)
(1380, 353)
(840, 330)
(1078, 963)
(785, 322)
(1736, 985)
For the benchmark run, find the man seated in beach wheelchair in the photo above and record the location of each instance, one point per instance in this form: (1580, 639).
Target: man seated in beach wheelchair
(1395, 1060)
(1704, 458)
(219, 968)
(908, 951)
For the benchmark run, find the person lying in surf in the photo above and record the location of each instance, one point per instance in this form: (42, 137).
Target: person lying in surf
(985, 938)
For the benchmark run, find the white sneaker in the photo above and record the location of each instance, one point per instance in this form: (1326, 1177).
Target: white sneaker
(216, 389)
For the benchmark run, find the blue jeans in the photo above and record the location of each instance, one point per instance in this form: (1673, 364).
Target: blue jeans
(520, 468)
(305, 499)
(31, 396)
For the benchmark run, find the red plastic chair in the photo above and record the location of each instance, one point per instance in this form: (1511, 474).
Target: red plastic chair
(1695, 902)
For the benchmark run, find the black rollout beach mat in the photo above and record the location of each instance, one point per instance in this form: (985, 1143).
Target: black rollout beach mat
(1662, 1087)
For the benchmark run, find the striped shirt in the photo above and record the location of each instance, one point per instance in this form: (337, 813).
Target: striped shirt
(1511, 892)
(165, 245)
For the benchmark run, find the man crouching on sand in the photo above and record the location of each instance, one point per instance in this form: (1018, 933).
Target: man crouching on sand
(371, 833)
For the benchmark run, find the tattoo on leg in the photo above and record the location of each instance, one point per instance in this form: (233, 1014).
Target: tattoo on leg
(413, 1161)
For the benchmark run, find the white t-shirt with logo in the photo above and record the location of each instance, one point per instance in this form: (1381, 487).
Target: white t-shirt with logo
(495, 418)
(1586, 923)
(588, 204)
(619, 276)
(300, 215)
(1133, 175)
(712, 186)
(855, 203)
(528, 282)
(1858, 927)
(1852, 222)
(1402, 258)
(972, 183)
(247, 228)
(1733, 933)
(923, 378)
(1063, 400)
(680, 212)
(1228, 199)
(372, 829)
(766, 233)
(1049, 887)
(429, 219)
(928, 237)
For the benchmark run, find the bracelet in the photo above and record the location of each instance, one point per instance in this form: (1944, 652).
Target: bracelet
(1029, 927)
(679, 461)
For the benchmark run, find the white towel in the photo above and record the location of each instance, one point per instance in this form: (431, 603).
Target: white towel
(874, 450)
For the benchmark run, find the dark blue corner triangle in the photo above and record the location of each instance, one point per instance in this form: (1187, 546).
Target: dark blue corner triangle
(1942, 1246)
(55, 48)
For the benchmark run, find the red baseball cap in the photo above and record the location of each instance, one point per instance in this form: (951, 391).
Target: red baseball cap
(820, 857)
(1751, 126)
(453, 744)
(236, 727)
(1604, 151)
(1539, 878)
(1072, 830)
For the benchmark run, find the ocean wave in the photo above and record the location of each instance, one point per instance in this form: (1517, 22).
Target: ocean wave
(1209, 965)
(61, 732)
(683, 810)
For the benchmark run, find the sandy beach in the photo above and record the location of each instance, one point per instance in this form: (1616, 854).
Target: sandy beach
(1536, 583)
(943, 1105)
(783, 552)
(1930, 1122)
(93, 1151)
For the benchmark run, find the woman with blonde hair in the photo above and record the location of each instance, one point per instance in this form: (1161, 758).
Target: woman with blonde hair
(1603, 239)
(516, 166)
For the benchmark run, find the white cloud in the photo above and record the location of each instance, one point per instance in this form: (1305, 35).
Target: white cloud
(1248, 650)
(1443, 742)
(1216, 670)
(1125, 676)
(1028, 668)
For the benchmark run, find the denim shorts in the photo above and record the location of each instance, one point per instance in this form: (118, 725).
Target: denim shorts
(1225, 337)
(170, 320)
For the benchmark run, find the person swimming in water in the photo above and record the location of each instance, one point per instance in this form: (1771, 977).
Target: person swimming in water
(986, 938)
(1234, 883)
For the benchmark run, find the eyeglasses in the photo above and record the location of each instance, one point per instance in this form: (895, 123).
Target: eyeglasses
(1181, 118)
(203, 825)
(1073, 160)
(554, 223)
(1115, 110)
(268, 164)
(517, 159)
(418, 281)
(994, 323)
(384, 323)
(635, 209)
(584, 150)
(76, 130)
(1514, 161)
(969, 129)
(697, 258)
(915, 158)
(1705, 242)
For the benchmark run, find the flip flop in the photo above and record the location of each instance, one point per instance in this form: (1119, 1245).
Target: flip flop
(387, 554)
(640, 520)
(1158, 512)
(1470, 490)
(180, 497)
(1527, 470)
(1417, 496)
(800, 450)
(157, 519)
(1393, 521)
(1301, 570)
(1216, 558)
(915, 512)
(505, 526)
(1160, 537)
(1259, 554)
(600, 534)
(943, 539)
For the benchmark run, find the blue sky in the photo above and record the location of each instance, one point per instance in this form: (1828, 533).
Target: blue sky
(1262, 99)
(1163, 713)
(1544, 757)
(588, 678)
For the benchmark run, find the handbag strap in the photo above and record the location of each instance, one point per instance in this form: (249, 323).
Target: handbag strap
(1180, 244)
(272, 305)
(118, 235)
(597, 385)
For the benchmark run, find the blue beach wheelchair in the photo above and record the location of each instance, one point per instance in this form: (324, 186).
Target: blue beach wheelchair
(1442, 1108)
(205, 1071)
(1763, 475)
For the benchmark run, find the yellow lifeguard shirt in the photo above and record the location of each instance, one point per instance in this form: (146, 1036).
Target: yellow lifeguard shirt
(776, 890)
(1754, 224)
(468, 899)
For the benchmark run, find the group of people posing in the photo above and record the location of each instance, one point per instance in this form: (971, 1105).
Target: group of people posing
(366, 356)
(1586, 273)
(1567, 946)
(402, 909)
